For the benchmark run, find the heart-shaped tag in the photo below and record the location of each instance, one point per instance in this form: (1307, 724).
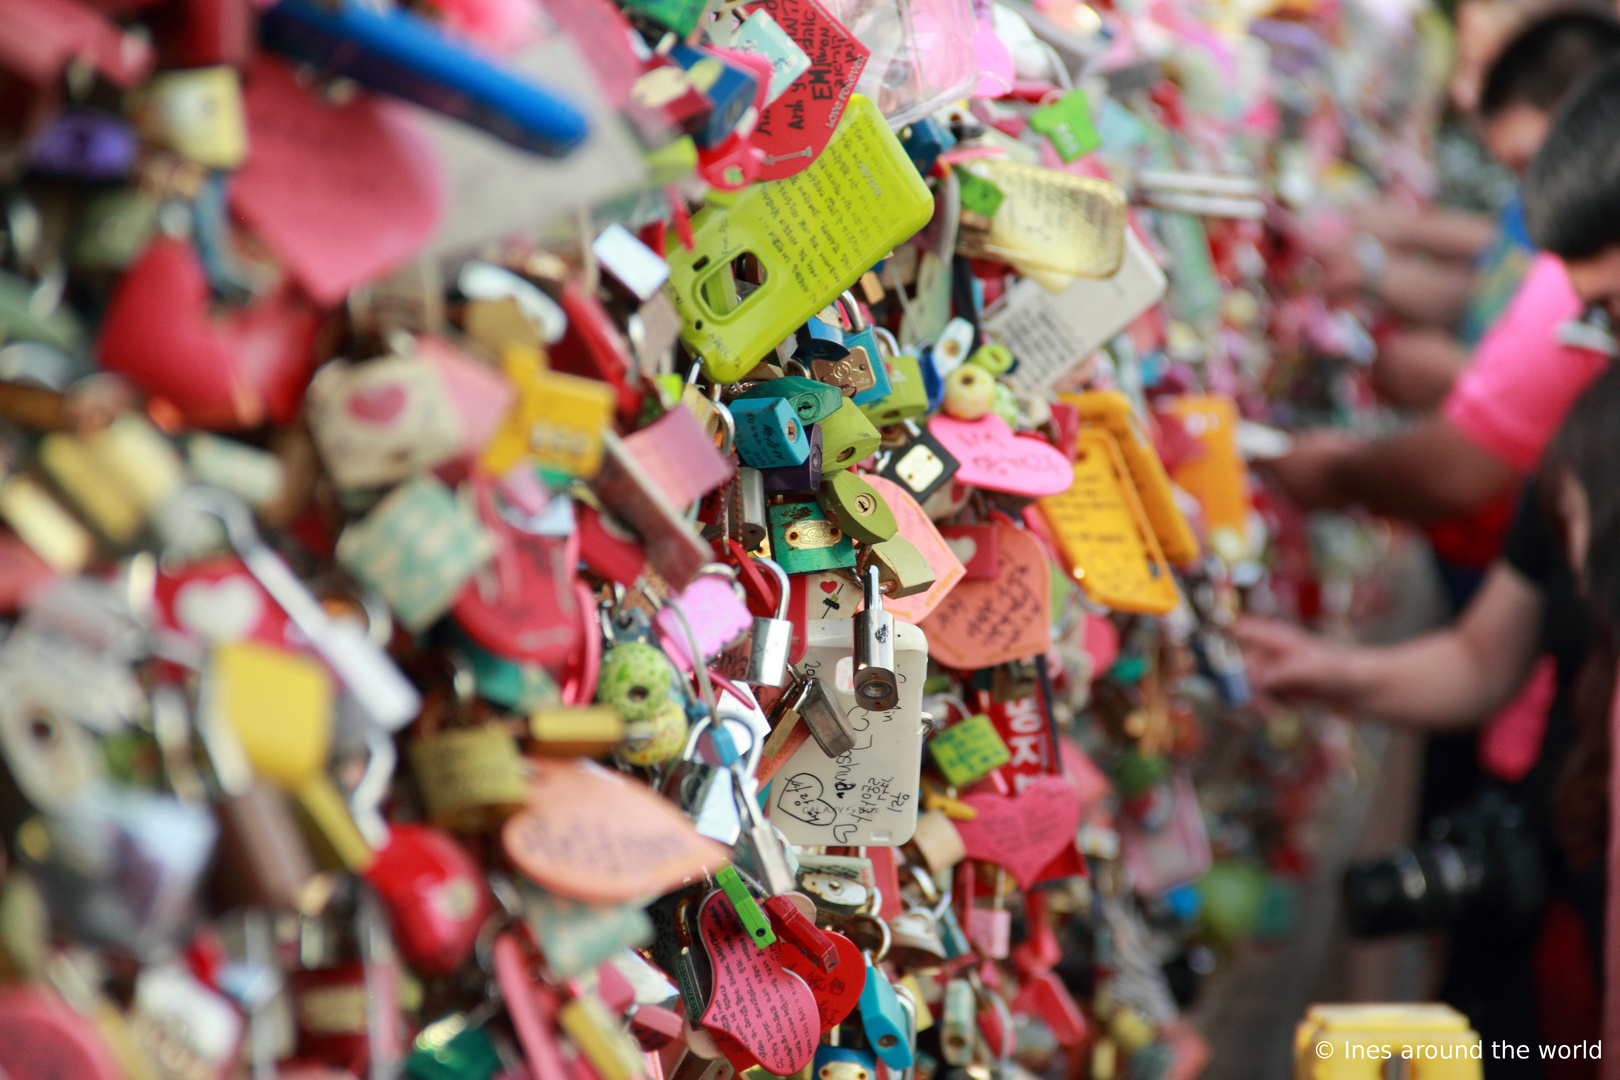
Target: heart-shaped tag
(377, 404)
(599, 836)
(343, 194)
(916, 526)
(1023, 833)
(1008, 617)
(837, 991)
(995, 459)
(757, 1002)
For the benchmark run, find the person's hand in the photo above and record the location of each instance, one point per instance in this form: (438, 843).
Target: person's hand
(1286, 663)
(1306, 472)
(1415, 368)
(1335, 252)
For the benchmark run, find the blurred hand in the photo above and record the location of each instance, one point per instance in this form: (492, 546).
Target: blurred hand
(1287, 663)
(1342, 274)
(1415, 368)
(1306, 471)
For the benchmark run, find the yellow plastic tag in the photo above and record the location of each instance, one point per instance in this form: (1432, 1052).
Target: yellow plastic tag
(1050, 220)
(557, 419)
(1103, 533)
(1111, 411)
(278, 704)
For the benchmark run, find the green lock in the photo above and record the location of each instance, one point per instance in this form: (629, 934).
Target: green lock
(634, 679)
(969, 750)
(113, 229)
(803, 540)
(848, 437)
(452, 1049)
(908, 395)
(856, 507)
(901, 567)
(994, 357)
(812, 401)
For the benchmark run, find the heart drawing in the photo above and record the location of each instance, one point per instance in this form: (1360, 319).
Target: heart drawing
(1026, 832)
(378, 404)
(801, 798)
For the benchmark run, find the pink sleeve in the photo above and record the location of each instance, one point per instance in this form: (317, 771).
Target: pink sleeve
(1512, 398)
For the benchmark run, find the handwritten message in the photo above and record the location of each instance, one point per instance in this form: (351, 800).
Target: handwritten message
(1008, 617)
(1024, 833)
(837, 991)
(995, 459)
(763, 1007)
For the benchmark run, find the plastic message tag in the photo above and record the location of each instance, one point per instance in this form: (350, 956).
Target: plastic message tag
(1111, 411)
(978, 194)
(794, 129)
(1104, 535)
(1053, 334)
(1217, 478)
(811, 236)
(969, 751)
(1050, 220)
(994, 458)
(760, 1013)
(1025, 832)
(761, 35)
(865, 796)
(1066, 123)
(557, 419)
(1008, 617)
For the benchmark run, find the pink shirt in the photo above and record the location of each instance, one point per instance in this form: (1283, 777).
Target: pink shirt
(1512, 398)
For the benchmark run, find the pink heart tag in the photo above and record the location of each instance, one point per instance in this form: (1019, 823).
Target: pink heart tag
(995, 459)
(764, 1008)
(377, 405)
(342, 193)
(1023, 833)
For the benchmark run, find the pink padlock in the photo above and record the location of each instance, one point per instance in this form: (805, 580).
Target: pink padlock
(710, 610)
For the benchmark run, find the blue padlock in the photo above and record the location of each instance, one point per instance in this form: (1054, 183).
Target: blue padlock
(730, 89)
(884, 1020)
(819, 340)
(843, 1063)
(924, 141)
(813, 401)
(801, 479)
(861, 336)
(86, 144)
(769, 433)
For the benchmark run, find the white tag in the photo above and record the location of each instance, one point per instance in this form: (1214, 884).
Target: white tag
(1052, 335)
(867, 795)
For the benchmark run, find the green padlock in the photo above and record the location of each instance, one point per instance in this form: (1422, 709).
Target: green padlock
(901, 567)
(803, 540)
(908, 395)
(994, 357)
(856, 507)
(634, 679)
(847, 437)
(812, 401)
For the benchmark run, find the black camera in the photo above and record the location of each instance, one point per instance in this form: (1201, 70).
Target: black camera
(1481, 858)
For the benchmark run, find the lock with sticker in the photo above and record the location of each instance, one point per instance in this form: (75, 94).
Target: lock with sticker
(917, 461)
(881, 201)
(804, 540)
(864, 352)
(866, 795)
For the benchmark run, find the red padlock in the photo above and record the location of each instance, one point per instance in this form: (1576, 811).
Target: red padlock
(435, 896)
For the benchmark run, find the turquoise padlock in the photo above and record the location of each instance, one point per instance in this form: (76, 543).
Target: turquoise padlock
(842, 1063)
(769, 433)
(804, 540)
(861, 336)
(812, 401)
(884, 1020)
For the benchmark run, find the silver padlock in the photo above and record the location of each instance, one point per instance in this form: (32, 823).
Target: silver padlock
(706, 790)
(753, 527)
(771, 639)
(381, 689)
(807, 700)
(875, 684)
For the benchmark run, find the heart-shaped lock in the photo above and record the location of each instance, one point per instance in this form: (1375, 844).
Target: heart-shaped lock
(435, 896)
(838, 991)
(160, 333)
(1023, 833)
(757, 1004)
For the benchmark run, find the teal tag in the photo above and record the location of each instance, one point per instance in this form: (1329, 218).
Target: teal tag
(1067, 125)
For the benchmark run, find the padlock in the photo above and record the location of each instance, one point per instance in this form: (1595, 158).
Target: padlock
(752, 516)
(703, 789)
(810, 400)
(856, 507)
(601, 1038)
(958, 1031)
(917, 461)
(803, 540)
(908, 393)
(875, 685)
(730, 88)
(771, 638)
(769, 433)
(865, 355)
(582, 731)
(843, 1063)
(852, 373)
(803, 478)
(819, 339)
(85, 144)
(887, 1027)
(903, 570)
(471, 778)
(970, 392)
(807, 700)
(674, 548)
(847, 438)
(175, 1017)
(556, 421)
(197, 113)
(657, 739)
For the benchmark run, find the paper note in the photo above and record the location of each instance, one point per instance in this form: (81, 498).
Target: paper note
(984, 623)
(342, 193)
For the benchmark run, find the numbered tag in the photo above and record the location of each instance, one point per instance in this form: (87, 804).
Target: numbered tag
(867, 794)
(1008, 617)
(1103, 534)
(862, 188)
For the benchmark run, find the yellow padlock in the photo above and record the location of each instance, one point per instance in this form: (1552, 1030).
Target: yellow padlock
(556, 421)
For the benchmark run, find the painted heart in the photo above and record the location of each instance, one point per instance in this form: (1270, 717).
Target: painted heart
(225, 610)
(837, 991)
(995, 459)
(829, 587)
(379, 404)
(801, 798)
(963, 547)
(757, 1002)
(1023, 833)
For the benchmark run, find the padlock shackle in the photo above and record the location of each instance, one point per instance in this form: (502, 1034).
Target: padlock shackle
(852, 311)
(782, 579)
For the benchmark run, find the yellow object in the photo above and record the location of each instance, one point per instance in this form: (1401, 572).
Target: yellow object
(331, 817)
(1051, 220)
(600, 1038)
(142, 458)
(278, 704)
(909, 983)
(1359, 1042)
(1104, 535)
(101, 497)
(954, 808)
(52, 533)
(557, 419)
(588, 729)
(1111, 411)
(1217, 478)
(198, 112)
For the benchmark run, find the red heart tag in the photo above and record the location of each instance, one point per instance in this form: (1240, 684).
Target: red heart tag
(1024, 833)
(794, 129)
(837, 991)
(758, 1004)
(343, 194)
(378, 405)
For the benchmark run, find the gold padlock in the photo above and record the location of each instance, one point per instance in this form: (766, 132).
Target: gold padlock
(472, 777)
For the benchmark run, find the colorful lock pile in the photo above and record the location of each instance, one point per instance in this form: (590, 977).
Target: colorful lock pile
(563, 540)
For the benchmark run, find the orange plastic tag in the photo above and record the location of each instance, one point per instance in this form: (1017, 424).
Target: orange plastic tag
(1217, 478)
(1007, 617)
